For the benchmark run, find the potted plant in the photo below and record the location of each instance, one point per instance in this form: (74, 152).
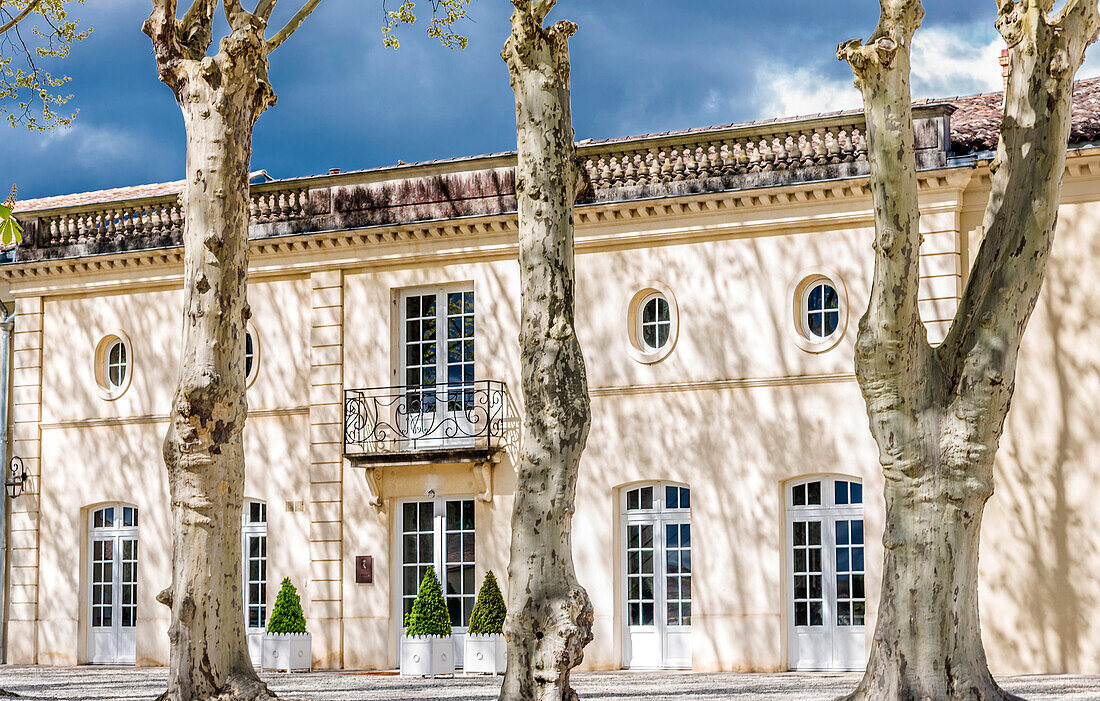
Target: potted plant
(287, 645)
(428, 648)
(485, 649)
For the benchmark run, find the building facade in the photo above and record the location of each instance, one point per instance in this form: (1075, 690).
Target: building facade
(729, 509)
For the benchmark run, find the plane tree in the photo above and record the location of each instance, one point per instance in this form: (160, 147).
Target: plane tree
(937, 413)
(549, 614)
(221, 89)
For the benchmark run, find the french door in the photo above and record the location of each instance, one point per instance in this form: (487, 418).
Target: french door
(254, 552)
(439, 533)
(437, 367)
(826, 589)
(112, 585)
(657, 576)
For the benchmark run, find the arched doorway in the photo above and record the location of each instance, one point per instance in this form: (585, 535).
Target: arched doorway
(656, 576)
(112, 584)
(826, 597)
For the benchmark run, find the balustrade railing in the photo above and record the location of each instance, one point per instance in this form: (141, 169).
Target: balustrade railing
(733, 151)
(152, 218)
(409, 419)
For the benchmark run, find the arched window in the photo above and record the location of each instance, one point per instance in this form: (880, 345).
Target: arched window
(113, 365)
(656, 522)
(826, 582)
(117, 365)
(112, 584)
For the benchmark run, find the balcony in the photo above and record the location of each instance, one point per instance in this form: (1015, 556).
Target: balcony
(469, 422)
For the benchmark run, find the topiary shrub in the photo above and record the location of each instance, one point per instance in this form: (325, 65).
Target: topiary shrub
(429, 614)
(489, 611)
(286, 615)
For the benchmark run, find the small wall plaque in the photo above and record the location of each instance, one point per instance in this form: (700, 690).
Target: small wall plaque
(364, 569)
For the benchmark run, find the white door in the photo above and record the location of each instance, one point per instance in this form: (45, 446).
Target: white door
(254, 553)
(112, 585)
(825, 561)
(439, 533)
(437, 368)
(656, 537)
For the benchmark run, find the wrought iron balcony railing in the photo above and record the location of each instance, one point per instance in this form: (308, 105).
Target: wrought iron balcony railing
(392, 422)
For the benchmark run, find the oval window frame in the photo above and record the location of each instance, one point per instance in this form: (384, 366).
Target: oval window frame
(104, 387)
(636, 347)
(797, 297)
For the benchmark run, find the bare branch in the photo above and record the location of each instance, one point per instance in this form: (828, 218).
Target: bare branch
(196, 29)
(881, 70)
(161, 29)
(292, 26)
(19, 18)
(264, 8)
(1019, 222)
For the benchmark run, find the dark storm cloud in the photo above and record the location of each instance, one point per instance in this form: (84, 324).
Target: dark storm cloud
(345, 101)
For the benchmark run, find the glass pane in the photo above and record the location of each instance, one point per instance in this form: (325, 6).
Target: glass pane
(662, 334)
(798, 495)
(649, 312)
(857, 493)
(632, 500)
(672, 535)
(647, 497)
(814, 301)
(408, 520)
(672, 498)
(840, 492)
(814, 321)
(832, 300)
(832, 320)
(454, 517)
(813, 494)
(649, 335)
(685, 498)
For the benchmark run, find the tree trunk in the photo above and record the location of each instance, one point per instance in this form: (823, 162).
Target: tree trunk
(549, 614)
(937, 414)
(220, 96)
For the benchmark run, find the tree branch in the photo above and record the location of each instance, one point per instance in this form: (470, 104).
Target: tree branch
(1020, 216)
(264, 8)
(19, 18)
(161, 29)
(891, 329)
(292, 26)
(196, 29)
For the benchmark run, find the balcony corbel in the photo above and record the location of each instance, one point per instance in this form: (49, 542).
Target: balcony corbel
(374, 484)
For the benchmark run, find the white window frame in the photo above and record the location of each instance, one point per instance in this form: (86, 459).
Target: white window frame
(254, 529)
(798, 295)
(116, 534)
(660, 516)
(828, 512)
(655, 298)
(439, 556)
(807, 328)
(103, 365)
(633, 310)
(251, 372)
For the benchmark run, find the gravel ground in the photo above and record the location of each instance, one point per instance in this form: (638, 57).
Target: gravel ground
(117, 683)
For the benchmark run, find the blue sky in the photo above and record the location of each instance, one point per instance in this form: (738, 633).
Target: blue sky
(347, 102)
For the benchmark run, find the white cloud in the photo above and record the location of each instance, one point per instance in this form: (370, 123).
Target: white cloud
(790, 92)
(947, 61)
(956, 60)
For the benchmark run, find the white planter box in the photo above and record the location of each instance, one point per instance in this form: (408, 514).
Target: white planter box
(427, 656)
(287, 651)
(485, 654)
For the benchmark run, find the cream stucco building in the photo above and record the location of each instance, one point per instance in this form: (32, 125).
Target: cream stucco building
(729, 511)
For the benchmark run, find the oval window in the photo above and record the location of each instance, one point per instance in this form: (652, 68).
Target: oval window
(654, 323)
(822, 310)
(117, 365)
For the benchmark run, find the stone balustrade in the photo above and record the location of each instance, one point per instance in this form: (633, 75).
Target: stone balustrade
(157, 219)
(720, 153)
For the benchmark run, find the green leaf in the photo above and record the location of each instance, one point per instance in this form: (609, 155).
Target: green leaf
(10, 230)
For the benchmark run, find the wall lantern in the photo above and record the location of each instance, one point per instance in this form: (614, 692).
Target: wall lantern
(17, 477)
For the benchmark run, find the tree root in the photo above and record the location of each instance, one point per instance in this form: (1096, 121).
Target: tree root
(239, 687)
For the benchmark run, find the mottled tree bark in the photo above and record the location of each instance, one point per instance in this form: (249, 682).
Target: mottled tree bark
(937, 413)
(549, 614)
(221, 97)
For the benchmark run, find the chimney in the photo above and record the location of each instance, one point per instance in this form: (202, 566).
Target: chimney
(333, 171)
(1004, 68)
